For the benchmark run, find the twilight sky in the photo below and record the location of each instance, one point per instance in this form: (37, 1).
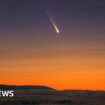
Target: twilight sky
(33, 53)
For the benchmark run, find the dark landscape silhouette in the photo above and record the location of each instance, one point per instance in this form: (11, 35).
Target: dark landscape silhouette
(43, 95)
(24, 87)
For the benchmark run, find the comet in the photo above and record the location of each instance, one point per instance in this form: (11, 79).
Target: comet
(54, 24)
(51, 20)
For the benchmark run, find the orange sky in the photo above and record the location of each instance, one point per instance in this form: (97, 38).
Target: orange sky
(33, 52)
(73, 67)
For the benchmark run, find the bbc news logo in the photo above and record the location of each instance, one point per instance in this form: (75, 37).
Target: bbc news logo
(6, 94)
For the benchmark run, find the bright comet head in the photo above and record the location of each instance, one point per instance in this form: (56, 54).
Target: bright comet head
(58, 32)
(54, 25)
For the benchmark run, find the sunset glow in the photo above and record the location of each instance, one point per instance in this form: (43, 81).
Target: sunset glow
(31, 53)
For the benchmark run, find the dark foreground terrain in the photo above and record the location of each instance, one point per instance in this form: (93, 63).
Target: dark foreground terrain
(54, 97)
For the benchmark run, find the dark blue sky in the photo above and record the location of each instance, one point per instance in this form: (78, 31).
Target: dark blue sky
(70, 15)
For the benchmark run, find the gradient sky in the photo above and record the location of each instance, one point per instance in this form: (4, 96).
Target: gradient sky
(32, 53)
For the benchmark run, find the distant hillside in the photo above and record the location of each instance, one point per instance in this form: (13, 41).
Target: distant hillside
(24, 87)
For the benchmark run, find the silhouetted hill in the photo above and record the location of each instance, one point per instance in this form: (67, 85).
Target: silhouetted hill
(24, 87)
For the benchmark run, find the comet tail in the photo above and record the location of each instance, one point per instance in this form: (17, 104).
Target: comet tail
(54, 25)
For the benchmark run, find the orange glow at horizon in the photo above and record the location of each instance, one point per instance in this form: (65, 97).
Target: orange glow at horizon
(61, 72)
(60, 65)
